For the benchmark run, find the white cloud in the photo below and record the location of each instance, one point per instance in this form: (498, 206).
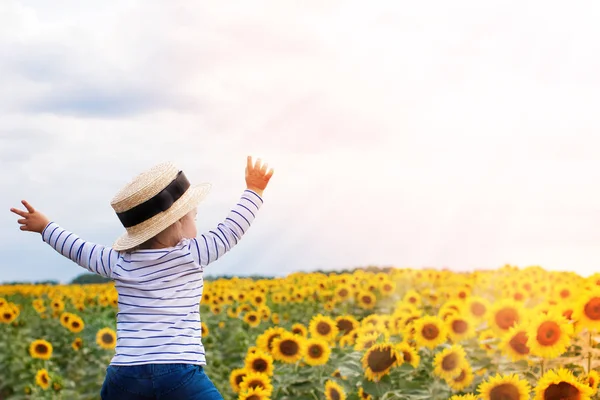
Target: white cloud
(458, 134)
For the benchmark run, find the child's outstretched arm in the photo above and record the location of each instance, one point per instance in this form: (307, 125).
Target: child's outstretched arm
(95, 258)
(209, 246)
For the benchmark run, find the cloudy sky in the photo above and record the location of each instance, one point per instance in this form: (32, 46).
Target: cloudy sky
(416, 134)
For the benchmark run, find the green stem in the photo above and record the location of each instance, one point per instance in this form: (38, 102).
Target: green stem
(589, 366)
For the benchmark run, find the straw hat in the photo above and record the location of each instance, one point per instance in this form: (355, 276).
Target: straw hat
(153, 201)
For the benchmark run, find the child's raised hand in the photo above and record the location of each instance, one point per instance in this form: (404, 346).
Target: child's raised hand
(257, 176)
(32, 221)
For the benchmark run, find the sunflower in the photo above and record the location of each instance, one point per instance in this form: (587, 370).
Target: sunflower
(300, 330)
(449, 362)
(387, 287)
(346, 324)
(366, 300)
(256, 380)
(256, 393)
(514, 343)
(379, 359)
(106, 338)
(504, 315)
(8, 315)
(587, 310)
(231, 312)
(64, 319)
(413, 298)
(561, 384)
(592, 378)
(365, 341)
(343, 293)
(333, 391)
(486, 339)
(463, 380)
(257, 299)
(408, 354)
(505, 387)
(548, 335)
(204, 331)
(347, 340)
(75, 324)
(323, 327)
(460, 327)
(57, 305)
(429, 331)
(317, 352)
(252, 318)
(42, 379)
(236, 377)
(275, 318)
(40, 349)
(77, 344)
(477, 307)
(363, 395)
(289, 348)
(259, 362)
(265, 340)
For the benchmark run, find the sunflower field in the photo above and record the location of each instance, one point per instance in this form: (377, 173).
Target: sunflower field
(505, 334)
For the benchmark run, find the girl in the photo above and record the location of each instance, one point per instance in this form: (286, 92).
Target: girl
(157, 266)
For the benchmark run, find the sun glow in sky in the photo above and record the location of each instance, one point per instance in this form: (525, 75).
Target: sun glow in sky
(458, 134)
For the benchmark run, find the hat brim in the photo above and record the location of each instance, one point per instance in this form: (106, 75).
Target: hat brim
(140, 233)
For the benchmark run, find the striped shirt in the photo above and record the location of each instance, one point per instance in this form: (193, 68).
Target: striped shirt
(160, 289)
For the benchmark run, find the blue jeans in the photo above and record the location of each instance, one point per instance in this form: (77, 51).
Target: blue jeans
(158, 382)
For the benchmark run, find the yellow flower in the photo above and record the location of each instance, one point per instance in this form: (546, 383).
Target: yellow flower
(265, 340)
(40, 349)
(504, 315)
(413, 298)
(363, 342)
(106, 338)
(317, 352)
(478, 307)
(463, 380)
(299, 329)
(42, 379)
(204, 331)
(289, 348)
(430, 331)
(561, 384)
(366, 299)
(236, 377)
(254, 380)
(587, 310)
(323, 327)
(506, 387)
(379, 359)
(460, 327)
(549, 335)
(346, 324)
(449, 362)
(363, 395)
(256, 393)
(334, 391)
(75, 324)
(514, 343)
(252, 318)
(259, 362)
(592, 379)
(77, 344)
(408, 354)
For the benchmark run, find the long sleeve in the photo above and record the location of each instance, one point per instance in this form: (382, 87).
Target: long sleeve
(209, 246)
(95, 258)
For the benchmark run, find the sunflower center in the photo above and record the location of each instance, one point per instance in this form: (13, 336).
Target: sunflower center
(334, 394)
(323, 328)
(412, 300)
(407, 356)
(430, 331)
(450, 362)
(41, 349)
(315, 351)
(239, 378)
(518, 296)
(462, 295)
(519, 343)
(253, 397)
(568, 314)
(252, 317)
(258, 299)
(506, 317)
(478, 309)
(7, 315)
(565, 293)
(260, 365)
(44, 378)
(343, 292)
(256, 384)
(461, 377)
(387, 287)
(506, 391)
(548, 333)
(591, 381)
(380, 360)
(366, 299)
(592, 309)
(345, 326)
(75, 324)
(107, 338)
(459, 326)
(563, 390)
(270, 341)
(289, 347)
